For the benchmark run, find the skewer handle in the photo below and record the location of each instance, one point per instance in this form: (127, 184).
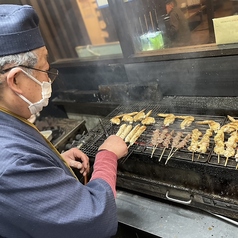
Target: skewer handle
(171, 156)
(85, 179)
(162, 154)
(226, 161)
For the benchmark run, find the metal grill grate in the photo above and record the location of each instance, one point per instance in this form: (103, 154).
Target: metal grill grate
(143, 147)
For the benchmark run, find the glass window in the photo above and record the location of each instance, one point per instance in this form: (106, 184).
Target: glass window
(99, 29)
(77, 28)
(162, 24)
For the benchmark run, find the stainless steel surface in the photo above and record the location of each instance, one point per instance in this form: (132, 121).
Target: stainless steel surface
(170, 221)
(177, 200)
(67, 133)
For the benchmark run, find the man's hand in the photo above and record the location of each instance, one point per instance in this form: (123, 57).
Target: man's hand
(116, 145)
(75, 158)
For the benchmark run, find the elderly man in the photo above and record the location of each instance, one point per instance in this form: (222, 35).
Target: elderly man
(40, 195)
(177, 27)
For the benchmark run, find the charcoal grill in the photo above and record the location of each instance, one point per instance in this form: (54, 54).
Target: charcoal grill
(202, 183)
(66, 132)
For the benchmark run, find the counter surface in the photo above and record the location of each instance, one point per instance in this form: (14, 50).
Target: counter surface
(169, 220)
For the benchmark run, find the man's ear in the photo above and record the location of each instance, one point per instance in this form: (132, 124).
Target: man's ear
(13, 80)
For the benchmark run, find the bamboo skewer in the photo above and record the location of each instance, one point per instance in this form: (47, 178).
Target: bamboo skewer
(198, 156)
(162, 154)
(171, 155)
(226, 161)
(193, 156)
(153, 150)
(155, 143)
(175, 143)
(166, 143)
(170, 151)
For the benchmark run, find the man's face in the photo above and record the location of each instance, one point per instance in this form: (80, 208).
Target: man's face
(34, 89)
(169, 7)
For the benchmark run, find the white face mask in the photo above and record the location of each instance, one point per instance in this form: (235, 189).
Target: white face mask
(46, 90)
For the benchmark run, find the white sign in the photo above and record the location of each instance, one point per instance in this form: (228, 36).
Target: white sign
(104, 3)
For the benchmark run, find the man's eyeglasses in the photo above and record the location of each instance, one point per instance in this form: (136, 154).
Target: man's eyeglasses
(52, 73)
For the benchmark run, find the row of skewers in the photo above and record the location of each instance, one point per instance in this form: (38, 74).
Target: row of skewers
(165, 139)
(169, 119)
(195, 142)
(130, 132)
(146, 119)
(130, 118)
(199, 143)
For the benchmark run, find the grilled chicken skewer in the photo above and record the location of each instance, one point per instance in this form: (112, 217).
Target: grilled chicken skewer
(166, 143)
(116, 120)
(126, 131)
(230, 146)
(231, 118)
(187, 121)
(139, 116)
(219, 144)
(180, 145)
(194, 141)
(148, 121)
(137, 135)
(121, 129)
(148, 113)
(154, 141)
(175, 141)
(160, 139)
(215, 126)
(236, 157)
(127, 118)
(203, 144)
(168, 118)
(230, 127)
(132, 132)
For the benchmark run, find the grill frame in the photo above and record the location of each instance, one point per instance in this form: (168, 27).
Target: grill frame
(214, 189)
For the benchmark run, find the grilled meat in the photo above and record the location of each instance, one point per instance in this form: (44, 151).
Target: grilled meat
(155, 137)
(126, 131)
(231, 118)
(203, 144)
(148, 113)
(168, 118)
(178, 146)
(115, 120)
(194, 141)
(132, 132)
(187, 121)
(137, 135)
(183, 142)
(139, 116)
(215, 126)
(148, 121)
(154, 141)
(121, 129)
(127, 118)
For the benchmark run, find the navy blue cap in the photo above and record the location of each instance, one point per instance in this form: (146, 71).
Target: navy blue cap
(19, 29)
